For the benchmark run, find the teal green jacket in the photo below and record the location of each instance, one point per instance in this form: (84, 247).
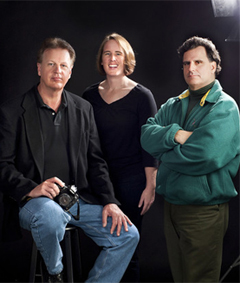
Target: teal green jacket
(200, 171)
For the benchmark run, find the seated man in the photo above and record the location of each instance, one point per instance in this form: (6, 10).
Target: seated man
(48, 139)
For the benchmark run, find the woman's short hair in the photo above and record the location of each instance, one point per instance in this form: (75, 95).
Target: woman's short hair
(212, 52)
(54, 43)
(129, 62)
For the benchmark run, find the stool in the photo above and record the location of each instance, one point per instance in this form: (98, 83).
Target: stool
(71, 236)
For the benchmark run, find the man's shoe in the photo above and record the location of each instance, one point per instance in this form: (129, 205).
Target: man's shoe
(55, 278)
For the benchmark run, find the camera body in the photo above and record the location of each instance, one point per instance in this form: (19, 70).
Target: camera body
(67, 197)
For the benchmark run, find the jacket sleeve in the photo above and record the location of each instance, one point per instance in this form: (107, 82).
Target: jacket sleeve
(212, 145)
(12, 182)
(157, 136)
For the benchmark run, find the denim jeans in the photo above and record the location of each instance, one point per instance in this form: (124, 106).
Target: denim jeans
(47, 221)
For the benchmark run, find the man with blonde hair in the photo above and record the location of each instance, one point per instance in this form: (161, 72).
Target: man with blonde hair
(49, 144)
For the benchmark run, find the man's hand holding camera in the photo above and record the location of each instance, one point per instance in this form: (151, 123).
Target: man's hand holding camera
(48, 188)
(51, 188)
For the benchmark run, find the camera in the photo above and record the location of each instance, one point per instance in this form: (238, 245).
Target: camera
(67, 197)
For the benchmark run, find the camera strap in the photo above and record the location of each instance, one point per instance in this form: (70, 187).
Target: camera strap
(76, 217)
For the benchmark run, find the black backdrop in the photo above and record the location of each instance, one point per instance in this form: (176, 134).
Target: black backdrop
(155, 29)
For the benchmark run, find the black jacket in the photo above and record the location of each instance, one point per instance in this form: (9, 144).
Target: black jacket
(21, 155)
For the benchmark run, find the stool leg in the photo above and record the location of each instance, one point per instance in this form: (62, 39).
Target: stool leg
(35, 260)
(77, 255)
(68, 255)
(33, 264)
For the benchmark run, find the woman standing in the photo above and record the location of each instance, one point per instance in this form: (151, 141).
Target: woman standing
(121, 106)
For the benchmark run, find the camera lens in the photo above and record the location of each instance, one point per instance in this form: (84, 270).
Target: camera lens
(64, 199)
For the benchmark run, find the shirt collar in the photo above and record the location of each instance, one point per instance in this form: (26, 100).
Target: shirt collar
(210, 96)
(41, 104)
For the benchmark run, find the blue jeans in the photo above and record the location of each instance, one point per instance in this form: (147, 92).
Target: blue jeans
(47, 221)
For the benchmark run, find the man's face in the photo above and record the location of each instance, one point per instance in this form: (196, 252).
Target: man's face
(55, 69)
(198, 71)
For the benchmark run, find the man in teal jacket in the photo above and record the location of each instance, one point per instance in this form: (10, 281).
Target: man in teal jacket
(196, 136)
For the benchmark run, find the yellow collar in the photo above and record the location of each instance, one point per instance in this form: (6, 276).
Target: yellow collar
(187, 93)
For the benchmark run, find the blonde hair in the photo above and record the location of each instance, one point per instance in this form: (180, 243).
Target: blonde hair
(129, 61)
(54, 43)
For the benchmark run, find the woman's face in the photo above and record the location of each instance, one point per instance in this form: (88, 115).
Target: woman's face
(113, 59)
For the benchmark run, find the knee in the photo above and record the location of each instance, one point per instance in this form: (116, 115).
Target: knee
(133, 234)
(52, 217)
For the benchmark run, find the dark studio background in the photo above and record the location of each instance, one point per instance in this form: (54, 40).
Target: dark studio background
(155, 29)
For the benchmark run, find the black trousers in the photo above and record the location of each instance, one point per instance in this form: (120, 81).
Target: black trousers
(128, 191)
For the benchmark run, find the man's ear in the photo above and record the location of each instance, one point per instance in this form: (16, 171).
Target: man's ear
(39, 69)
(213, 66)
(70, 73)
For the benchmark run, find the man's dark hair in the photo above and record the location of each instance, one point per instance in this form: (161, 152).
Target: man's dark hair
(54, 43)
(194, 42)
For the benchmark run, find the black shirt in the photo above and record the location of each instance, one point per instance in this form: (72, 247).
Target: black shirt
(54, 128)
(119, 125)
